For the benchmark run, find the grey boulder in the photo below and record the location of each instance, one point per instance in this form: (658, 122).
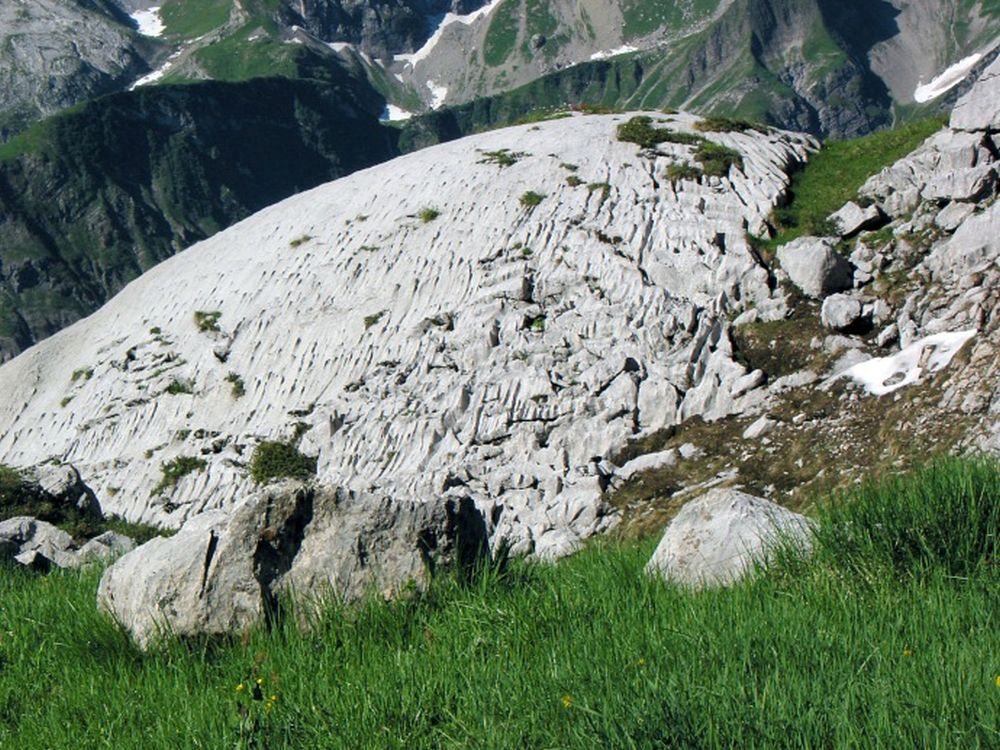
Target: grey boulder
(840, 312)
(224, 571)
(718, 537)
(815, 267)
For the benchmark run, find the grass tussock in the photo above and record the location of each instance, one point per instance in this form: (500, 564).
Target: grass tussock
(886, 637)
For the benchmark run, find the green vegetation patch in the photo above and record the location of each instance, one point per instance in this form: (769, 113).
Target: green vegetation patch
(503, 157)
(174, 470)
(428, 214)
(816, 653)
(530, 199)
(276, 460)
(501, 37)
(716, 160)
(236, 384)
(183, 18)
(835, 174)
(641, 131)
(207, 321)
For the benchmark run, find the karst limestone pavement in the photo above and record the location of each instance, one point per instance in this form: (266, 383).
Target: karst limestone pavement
(425, 331)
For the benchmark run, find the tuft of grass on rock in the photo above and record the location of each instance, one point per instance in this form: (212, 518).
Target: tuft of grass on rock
(172, 471)
(530, 199)
(276, 460)
(207, 321)
(428, 214)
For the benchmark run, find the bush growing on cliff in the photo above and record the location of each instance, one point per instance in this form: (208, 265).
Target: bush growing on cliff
(276, 460)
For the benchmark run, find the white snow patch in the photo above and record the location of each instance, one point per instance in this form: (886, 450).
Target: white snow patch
(392, 113)
(149, 22)
(624, 49)
(340, 46)
(438, 94)
(951, 77)
(445, 21)
(887, 374)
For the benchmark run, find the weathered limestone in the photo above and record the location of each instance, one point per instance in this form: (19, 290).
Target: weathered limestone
(840, 312)
(717, 538)
(414, 355)
(223, 571)
(815, 267)
(980, 108)
(852, 218)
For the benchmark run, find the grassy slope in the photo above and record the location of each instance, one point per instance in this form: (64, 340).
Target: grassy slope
(835, 174)
(887, 637)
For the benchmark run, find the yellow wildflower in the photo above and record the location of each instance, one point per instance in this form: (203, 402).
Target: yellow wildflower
(274, 699)
(567, 700)
(260, 681)
(907, 652)
(998, 680)
(241, 687)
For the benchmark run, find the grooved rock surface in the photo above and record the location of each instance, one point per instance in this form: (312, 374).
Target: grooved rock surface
(716, 538)
(424, 332)
(224, 571)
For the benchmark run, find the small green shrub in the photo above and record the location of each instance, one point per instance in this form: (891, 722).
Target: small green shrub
(640, 130)
(530, 199)
(604, 187)
(716, 160)
(371, 320)
(503, 157)
(178, 386)
(573, 181)
(181, 435)
(299, 241)
(85, 373)
(276, 460)
(727, 125)
(174, 470)
(207, 321)
(683, 171)
(238, 387)
(428, 214)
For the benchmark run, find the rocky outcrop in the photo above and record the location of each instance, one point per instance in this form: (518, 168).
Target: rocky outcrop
(717, 538)
(225, 571)
(461, 322)
(40, 546)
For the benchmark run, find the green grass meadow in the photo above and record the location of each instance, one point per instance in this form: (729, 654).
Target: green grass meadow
(888, 636)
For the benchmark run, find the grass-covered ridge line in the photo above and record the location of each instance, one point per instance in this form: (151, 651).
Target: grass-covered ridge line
(885, 638)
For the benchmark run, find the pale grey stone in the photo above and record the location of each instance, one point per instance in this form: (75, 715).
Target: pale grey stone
(815, 267)
(647, 462)
(761, 427)
(968, 185)
(223, 571)
(852, 218)
(717, 538)
(840, 312)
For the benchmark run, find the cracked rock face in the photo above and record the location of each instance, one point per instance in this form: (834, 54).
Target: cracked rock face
(438, 326)
(223, 572)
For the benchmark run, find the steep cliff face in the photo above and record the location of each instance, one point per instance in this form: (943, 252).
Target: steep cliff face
(127, 181)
